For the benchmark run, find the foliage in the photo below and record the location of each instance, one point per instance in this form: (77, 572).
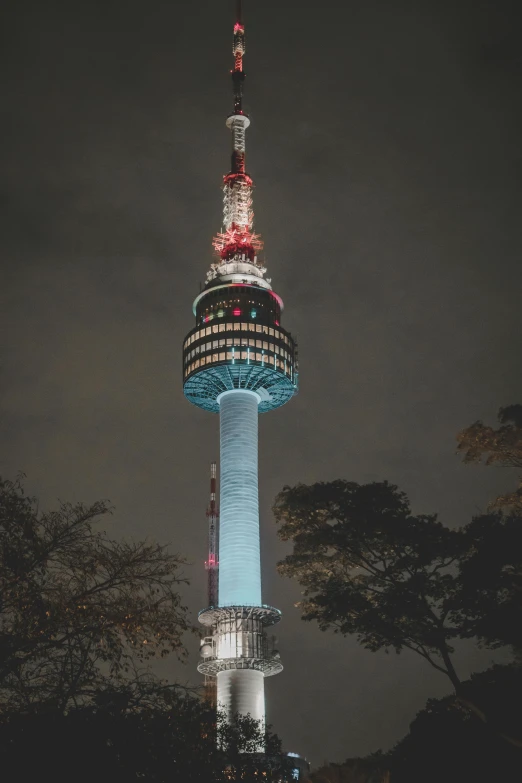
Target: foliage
(372, 769)
(81, 616)
(490, 575)
(445, 743)
(492, 572)
(370, 568)
(240, 742)
(176, 738)
(502, 447)
(79, 613)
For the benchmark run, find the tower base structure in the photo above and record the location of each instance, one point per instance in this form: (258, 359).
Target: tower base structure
(240, 655)
(242, 691)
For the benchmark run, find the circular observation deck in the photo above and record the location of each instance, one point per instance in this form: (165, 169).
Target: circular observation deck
(266, 615)
(238, 343)
(267, 666)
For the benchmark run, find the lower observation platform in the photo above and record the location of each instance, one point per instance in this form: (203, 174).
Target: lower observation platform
(239, 641)
(273, 387)
(267, 666)
(266, 615)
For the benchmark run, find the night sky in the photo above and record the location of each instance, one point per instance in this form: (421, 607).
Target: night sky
(385, 146)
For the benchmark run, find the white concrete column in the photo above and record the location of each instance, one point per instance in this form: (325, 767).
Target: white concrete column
(239, 554)
(242, 691)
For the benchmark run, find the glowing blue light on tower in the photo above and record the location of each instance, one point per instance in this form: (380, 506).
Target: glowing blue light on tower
(239, 572)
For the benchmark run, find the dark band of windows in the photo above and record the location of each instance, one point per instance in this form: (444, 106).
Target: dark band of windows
(238, 343)
(240, 355)
(238, 327)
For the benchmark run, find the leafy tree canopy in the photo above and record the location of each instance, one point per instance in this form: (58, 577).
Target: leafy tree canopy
(371, 769)
(371, 568)
(446, 743)
(81, 617)
(489, 604)
(79, 613)
(501, 446)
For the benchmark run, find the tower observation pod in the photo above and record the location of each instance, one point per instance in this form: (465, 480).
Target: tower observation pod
(239, 361)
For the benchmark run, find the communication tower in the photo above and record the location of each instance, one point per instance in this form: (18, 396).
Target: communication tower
(238, 361)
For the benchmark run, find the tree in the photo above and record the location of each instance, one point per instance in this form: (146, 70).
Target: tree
(240, 742)
(394, 580)
(371, 769)
(446, 743)
(492, 573)
(490, 578)
(370, 568)
(502, 447)
(177, 737)
(79, 613)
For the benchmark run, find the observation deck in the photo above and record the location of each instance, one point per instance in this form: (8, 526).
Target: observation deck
(265, 615)
(239, 640)
(238, 343)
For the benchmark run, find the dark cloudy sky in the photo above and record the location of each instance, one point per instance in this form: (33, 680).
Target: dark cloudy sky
(385, 145)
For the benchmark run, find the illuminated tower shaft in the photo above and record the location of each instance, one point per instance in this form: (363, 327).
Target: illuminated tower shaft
(240, 574)
(238, 361)
(239, 690)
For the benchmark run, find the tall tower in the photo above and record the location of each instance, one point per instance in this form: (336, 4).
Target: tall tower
(238, 361)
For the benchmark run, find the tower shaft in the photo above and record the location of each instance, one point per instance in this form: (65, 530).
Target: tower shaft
(240, 571)
(239, 690)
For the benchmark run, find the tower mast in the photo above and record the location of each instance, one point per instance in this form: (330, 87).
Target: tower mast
(238, 361)
(237, 239)
(212, 564)
(212, 568)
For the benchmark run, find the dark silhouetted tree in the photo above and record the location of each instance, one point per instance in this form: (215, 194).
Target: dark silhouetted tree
(370, 568)
(177, 738)
(501, 447)
(490, 578)
(371, 769)
(79, 612)
(445, 743)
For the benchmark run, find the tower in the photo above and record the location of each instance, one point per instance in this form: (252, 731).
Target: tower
(238, 361)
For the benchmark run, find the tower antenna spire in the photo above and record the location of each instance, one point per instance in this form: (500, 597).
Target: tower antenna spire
(237, 243)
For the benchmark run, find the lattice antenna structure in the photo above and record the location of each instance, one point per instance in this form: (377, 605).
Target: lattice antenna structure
(237, 244)
(212, 564)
